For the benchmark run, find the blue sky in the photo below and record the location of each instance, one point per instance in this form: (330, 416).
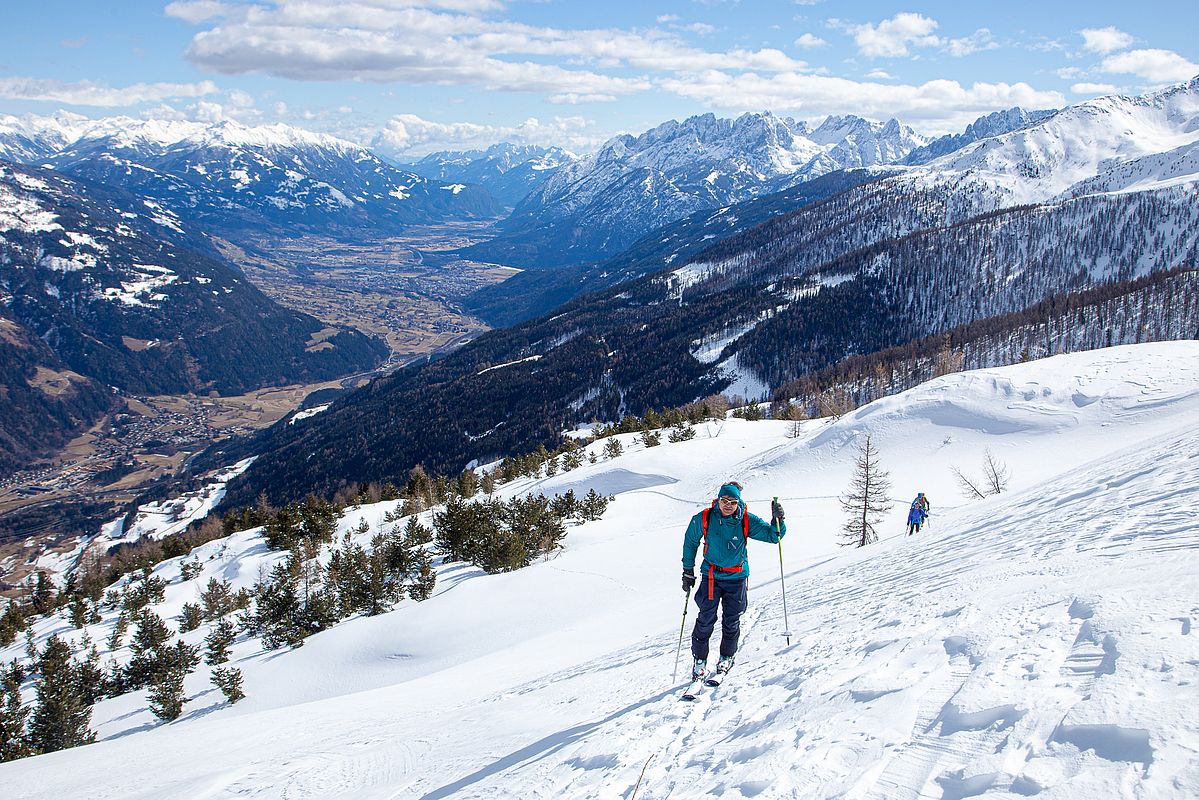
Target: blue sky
(417, 75)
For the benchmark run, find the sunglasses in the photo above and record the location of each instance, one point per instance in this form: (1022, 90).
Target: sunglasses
(731, 501)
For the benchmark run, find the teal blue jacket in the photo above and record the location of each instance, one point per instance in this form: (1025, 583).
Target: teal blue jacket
(726, 542)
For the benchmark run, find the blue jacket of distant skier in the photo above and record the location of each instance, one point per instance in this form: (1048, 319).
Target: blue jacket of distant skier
(917, 515)
(726, 549)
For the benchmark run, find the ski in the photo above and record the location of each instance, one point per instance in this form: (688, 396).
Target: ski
(715, 678)
(693, 689)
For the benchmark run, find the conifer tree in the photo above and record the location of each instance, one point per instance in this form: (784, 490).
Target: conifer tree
(867, 499)
(219, 641)
(166, 695)
(228, 680)
(118, 631)
(190, 617)
(150, 635)
(613, 448)
(217, 599)
(61, 717)
(14, 741)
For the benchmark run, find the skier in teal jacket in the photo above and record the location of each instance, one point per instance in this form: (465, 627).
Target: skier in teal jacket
(724, 570)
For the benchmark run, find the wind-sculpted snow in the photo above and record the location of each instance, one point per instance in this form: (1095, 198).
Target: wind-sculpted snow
(1035, 644)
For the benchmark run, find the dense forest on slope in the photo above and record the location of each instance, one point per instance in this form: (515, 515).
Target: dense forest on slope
(534, 292)
(42, 403)
(859, 272)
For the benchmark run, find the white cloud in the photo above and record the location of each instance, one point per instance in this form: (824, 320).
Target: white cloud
(880, 74)
(1070, 73)
(809, 40)
(1163, 66)
(1105, 40)
(410, 135)
(196, 11)
(87, 93)
(892, 37)
(978, 41)
(412, 42)
(1094, 88)
(573, 98)
(935, 107)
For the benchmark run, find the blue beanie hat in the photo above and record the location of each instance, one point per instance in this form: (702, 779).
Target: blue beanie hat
(729, 490)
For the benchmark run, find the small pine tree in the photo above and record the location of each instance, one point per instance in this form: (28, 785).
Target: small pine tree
(219, 641)
(14, 742)
(61, 717)
(217, 599)
(189, 569)
(79, 611)
(651, 438)
(682, 433)
(149, 637)
(228, 680)
(119, 629)
(166, 693)
(613, 448)
(594, 505)
(867, 499)
(190, 617)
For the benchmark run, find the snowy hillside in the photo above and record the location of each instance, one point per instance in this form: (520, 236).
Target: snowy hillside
(1038, 643)
(1078, 144)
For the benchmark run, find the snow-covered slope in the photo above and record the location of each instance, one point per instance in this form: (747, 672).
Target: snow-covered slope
(236, 176)
(1091, 139)
(1038, 643)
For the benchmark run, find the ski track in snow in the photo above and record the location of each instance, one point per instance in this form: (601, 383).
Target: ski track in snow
(1036, 644)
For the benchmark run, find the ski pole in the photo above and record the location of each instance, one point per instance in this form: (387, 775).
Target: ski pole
(782, 577)
(678, 650)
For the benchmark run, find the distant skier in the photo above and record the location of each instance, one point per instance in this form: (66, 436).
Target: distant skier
(918, 513)
(725, 570)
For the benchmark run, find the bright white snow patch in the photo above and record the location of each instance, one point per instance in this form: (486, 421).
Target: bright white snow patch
(311, 412)
(454, 187)
(509, 364)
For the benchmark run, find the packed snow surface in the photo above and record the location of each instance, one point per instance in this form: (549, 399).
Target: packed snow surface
(1035, 644)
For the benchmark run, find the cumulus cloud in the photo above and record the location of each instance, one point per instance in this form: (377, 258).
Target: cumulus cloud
(939, 106)
(196, 11)
(809, 40)
(411, 135)
(980, 40)
(1105, 40)
(419, 43)
(1162, 66)
(892, 37)
(87, 93)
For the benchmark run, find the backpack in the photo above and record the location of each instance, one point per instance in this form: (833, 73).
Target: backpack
(712, 568)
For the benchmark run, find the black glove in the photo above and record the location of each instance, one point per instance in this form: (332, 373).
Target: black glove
(776, 510)
(688, 579)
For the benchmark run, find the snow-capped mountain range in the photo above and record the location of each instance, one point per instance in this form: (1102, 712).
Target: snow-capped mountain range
(1084, 148)
(601, 203)
(509, 171)
(230, 176)
(1038, 643)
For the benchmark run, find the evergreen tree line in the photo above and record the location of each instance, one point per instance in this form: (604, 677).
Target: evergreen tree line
(321, 583)
(67, 684)
(1161, 306)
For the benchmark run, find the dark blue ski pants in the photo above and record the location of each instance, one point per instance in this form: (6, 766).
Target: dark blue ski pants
(733, 595)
